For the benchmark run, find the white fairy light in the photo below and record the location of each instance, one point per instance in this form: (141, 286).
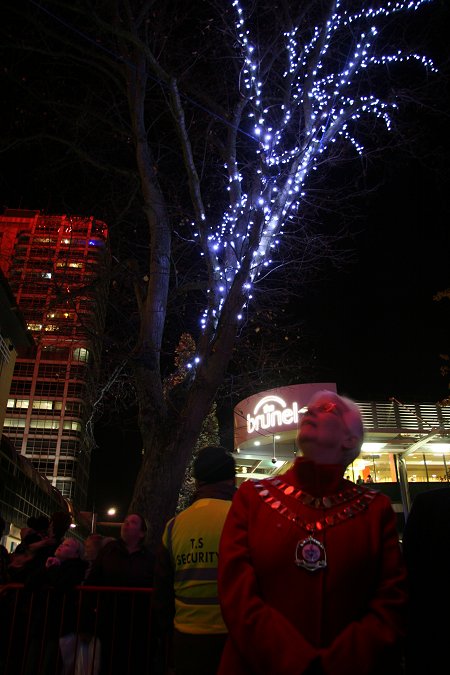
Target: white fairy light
(326, 104)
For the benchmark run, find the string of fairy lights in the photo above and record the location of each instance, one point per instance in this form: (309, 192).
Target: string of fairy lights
(328, 98)
(322, 104)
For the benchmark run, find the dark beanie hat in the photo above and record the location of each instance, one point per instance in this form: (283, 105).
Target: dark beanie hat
(213, 464)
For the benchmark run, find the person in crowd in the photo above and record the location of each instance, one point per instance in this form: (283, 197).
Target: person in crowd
(311, 575)
(369, 478)
(28, 531)
(185, 595)
(38, 546)
(426, 546)
(54, 606)
(4, 555)
(124, 562)
(92, 546)
(35, 531)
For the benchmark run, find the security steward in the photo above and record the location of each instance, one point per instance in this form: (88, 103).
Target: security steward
(185, 599)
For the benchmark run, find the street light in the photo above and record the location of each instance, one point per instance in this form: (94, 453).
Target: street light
(112, 511)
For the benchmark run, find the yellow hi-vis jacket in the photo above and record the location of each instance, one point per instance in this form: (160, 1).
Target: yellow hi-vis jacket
(192, 540)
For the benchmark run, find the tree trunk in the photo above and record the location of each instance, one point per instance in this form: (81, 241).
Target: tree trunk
(169, 439)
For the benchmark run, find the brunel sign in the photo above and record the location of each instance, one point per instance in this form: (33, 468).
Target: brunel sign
(273, 411)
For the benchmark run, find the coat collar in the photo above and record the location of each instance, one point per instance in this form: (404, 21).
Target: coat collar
(317, 479)
(223, 490)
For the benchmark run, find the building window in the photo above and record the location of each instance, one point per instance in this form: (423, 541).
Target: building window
(81, 354)
(42, 405)
(22, 403)
(44, 424)
(44, 467)
(48, 370)
(54, 353)
(41, 446)
(74, 426)
(69, 448)
(65, 487)
(20, 387)
(14, 422)
(5, 351)
(77, 390)
(49, 388)
(23, 369)
(44, 240)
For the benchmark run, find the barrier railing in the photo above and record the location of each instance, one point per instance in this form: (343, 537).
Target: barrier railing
(88, 630)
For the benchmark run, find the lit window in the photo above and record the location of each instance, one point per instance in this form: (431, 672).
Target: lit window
(24, 403)
(11, 403)
(44, 424)
(14, 422)
(43, 240)
(81, 354)
(74, 426)
(34, 326)
(42, 405)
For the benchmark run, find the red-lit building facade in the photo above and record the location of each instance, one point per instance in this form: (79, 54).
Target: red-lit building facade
(58, 270)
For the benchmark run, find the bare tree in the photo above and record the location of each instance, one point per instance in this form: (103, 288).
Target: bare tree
(265, 101)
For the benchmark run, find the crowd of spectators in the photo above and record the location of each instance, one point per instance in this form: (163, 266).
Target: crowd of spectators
(50, 563)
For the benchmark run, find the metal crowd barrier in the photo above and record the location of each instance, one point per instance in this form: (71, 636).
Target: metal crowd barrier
(90, 630)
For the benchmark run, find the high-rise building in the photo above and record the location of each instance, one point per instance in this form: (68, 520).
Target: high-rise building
(58, 270)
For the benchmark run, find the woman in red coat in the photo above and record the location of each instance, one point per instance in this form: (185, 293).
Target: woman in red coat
(311, 577)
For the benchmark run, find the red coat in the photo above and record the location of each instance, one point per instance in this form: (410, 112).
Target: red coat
(281, 618)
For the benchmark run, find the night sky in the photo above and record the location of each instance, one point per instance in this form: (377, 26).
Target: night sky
(379, 333)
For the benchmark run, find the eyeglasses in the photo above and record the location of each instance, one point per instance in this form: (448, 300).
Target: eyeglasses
(327, 407)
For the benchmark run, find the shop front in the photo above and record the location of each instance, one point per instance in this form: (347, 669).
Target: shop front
(406, 448)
